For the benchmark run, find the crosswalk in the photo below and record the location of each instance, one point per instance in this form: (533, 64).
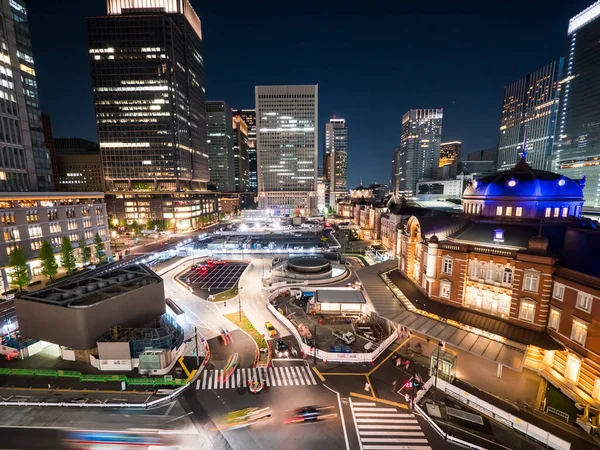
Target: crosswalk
(383, 427)
(273, 377)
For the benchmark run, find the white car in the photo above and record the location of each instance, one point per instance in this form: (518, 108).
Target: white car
(346, 337)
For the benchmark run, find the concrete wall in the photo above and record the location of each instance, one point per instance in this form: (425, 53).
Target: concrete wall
(80, 327)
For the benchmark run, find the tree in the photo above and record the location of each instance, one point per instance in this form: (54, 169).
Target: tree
(19, 277)
(48, 261)
(67, 255)
(85, 252)
(99, 247)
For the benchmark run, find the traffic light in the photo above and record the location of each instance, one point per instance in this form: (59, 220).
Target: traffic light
(408, 384)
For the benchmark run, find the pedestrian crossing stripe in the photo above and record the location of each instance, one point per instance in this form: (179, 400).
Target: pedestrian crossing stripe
(272, 376)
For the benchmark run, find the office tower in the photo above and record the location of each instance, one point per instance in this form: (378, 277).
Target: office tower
(394, 186)
(529, 112)
(450, 152)
(49, 144)
(335, 158)
(26, 163)
(419, 152)
(79, 165)
(220, 146)
(240, 153)
(576, 152)
(148, 84)
(249, 116)
(286, 120)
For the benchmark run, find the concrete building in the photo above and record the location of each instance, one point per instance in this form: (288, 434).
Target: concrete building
(27, 219)
(181, 210)
(26, 164)
(335, 159)
(148, 84)
(529, 112)
(442, 189)
(287, 118)
(240, 154)
(79, 165)
(78, 311)
(419, 153)
(450, 152)
(249, 116)
(219, 125)
(576, 151)
(49, 144)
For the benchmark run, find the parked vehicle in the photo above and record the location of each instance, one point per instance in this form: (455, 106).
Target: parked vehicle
(346, 337)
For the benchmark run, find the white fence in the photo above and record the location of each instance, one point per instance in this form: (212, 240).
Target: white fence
(328, 356)
(490, 410)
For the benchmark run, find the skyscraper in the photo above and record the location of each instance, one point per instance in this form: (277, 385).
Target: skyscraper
(26, 162)
(450, 152)
(219, 125)
(419, 153)
(576, 152)
(249, 116)
(335, 159)
(286, 120)
(529, 113)
(240, 153)
(148, 82)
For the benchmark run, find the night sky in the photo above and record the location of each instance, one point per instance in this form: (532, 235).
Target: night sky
(372, 63)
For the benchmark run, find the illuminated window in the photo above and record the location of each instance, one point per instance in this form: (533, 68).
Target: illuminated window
(445, 288)
(498, 210)
(531, 281)
(565, 211)
(558, 291)
(549, 357)
(579, 331)
(548, 212)
(554, 320)
(596, 393)
(527, 310)
(584, 301)
(556, 212)
(447, 265)
(573, 367)
(509, 210)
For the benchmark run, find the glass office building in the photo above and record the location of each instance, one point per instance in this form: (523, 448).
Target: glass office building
(219, 127)
(335, 160)
(148, 83)
(249, 116)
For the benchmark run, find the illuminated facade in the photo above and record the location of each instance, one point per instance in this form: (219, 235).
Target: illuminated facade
(450, 153)
(27, 219)
(249, 116)
(148, 83)
(576, 151)
(519, 267)
(25, 161)
(529, 113)
(79, 165)
(287, 147)
(335, 159)
(418, 155)
(240, 154)
(219, 127)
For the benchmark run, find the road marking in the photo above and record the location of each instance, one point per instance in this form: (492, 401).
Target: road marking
(227, 382)
(282, 372)
(362, 414)
(395, 440)
(244, 374)
(363, 404)
(289, 375)
(275, 376)
(389, 427)
(392, 433)
(362, 420)
(299, 374)
(311, 375)
(396, 447)
(216, 379)
(341, 417)
(197, 386)
(375, 409)
(267, 377)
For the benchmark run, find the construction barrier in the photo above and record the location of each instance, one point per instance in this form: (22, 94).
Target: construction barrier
(69, 373)
(46, 373)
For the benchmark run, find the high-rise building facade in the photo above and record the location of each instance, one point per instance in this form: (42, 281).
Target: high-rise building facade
(576, 152)
(148, 84)
(79, 165)
(220, 146)
(419, 153)
(529, 112)
(25, 161)
(450, 152)
(335, 159)
(49, 144)
(286, 132)
(240, 154)
(249, 116)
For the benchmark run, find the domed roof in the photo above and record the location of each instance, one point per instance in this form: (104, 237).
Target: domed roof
(524, 182)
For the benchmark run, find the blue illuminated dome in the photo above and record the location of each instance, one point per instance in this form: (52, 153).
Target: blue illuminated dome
(524, 192)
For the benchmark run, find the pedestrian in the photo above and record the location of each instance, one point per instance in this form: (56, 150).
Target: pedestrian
(398, 362)
(367, 387)
(394, 384)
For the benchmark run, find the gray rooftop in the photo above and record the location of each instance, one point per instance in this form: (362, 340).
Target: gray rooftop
(340, 295)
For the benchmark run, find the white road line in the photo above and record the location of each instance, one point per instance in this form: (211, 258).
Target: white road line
(385, 421)
(244, 375)
(239, 378)
(226, 383)
(396, 447)
(216, 378)
(274, 376)
(310, 375)
(221, 380)
(362, 414)
(355, 423)
(267, 382)
(389, 427)
(341, 417)
(300, 377)
(285, 383)
(289, 375)
(392, 433)
(205, 376)
(395, 440)
(363, 404)
(255, 372)
(376, 409)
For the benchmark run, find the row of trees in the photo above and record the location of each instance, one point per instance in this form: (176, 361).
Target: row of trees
(18, 263)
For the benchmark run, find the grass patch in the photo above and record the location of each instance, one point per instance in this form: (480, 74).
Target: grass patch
(226, 295)
(359, 256)
(245, 325)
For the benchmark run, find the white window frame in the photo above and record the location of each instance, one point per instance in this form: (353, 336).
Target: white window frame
(579, 324)
(445, 289)
(549, 357)
(596, 393)
(507, 273)
(531, 275)
(572, 361)
(565, 211)
(499, 210)
(509, 210)
(524, 309)
(447, 261)
(554, 319)
(556, 212)
(548, 212)
(589, 301)
(557, 289)
(518, 211)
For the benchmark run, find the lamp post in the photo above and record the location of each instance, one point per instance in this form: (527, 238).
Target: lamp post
(197, 354)
(240, 302)
(315, 345)
(437, 365)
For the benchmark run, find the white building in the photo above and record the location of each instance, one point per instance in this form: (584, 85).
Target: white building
(441, 189)
(286, 132)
